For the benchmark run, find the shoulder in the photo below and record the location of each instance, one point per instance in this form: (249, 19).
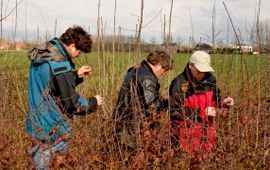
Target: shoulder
(129, 74)
(45, 51)
(211, 78)
(180, 79)
(179, 84)
(146, 76)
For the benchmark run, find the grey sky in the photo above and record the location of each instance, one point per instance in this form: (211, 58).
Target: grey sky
(42, 14)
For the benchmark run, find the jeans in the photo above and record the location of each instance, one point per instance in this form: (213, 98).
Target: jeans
(42, 153)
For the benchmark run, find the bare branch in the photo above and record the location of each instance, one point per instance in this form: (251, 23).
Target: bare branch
(238, 40)
(10, 12)
(170, 22)
(152, 19)
(138, 41)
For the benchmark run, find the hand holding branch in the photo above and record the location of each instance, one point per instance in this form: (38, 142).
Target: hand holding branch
(99, 99)
(228, 101)
(211, 111)
(84, 71)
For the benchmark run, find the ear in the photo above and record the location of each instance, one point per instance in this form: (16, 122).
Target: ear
(189, 65)
(72, 45)
(158, 66)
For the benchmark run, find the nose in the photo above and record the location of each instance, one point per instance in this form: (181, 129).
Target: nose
(201, 75)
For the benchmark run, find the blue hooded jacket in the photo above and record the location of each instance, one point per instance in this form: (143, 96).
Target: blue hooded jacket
(51, 78)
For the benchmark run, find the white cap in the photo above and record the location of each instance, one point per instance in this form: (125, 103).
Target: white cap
(202, 61)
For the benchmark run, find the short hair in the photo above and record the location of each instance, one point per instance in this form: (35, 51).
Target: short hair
(78, 36)
(162, 58)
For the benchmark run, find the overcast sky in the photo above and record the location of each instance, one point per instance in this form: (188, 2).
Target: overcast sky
(43, 13)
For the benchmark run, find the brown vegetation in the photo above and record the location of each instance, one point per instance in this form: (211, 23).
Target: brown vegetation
(243, 132)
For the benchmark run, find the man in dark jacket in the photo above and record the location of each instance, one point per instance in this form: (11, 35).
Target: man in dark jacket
(194, 99)
(53, 98)
(139, 96)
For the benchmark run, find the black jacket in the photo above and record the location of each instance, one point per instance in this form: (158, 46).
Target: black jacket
(138, 94)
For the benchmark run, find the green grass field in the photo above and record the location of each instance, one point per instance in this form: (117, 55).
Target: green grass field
(243, 135)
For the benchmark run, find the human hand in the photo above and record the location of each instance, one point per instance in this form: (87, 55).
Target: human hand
(84, 71)
(211, 111)
(99, 99)
(228, 101)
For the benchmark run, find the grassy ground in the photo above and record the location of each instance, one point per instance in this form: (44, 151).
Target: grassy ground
(243, 135)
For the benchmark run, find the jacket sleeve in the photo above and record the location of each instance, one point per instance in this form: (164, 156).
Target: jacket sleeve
(216, 90)
(217, 98)
(77, 79)
(176, 99)
(71, 102)
(152, 96)
(149, 89)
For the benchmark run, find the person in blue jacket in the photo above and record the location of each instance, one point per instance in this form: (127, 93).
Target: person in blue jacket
(52, 94)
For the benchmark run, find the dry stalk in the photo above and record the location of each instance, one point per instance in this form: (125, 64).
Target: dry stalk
(259, 76)
(55, 27)
(15, 25)
(214, 26)
(113, 50)
(170, 22)
(191, 39)
(38, 35)
(11, 11)
(164, 32)
(25, 21)
(1, 24)
(138, 38)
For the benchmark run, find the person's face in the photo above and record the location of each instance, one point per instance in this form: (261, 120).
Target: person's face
(196, 73)
(159, 71)
(73, 51)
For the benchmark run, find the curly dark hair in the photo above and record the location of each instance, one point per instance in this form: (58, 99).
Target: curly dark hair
(78, 36)
(160, 57)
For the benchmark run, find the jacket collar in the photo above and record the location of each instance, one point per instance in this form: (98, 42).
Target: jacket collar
(147, 66)
(60, 45)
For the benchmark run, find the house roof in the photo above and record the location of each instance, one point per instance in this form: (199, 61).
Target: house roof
(202, 46)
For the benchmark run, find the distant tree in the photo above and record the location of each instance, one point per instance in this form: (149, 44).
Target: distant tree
(7, 14)
(153, 40)
(179, 40)
(265, 33)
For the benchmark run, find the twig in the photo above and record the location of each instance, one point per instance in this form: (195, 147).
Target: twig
(10, 12)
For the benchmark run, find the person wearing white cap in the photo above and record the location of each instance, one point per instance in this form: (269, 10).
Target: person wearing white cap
(194, 99)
